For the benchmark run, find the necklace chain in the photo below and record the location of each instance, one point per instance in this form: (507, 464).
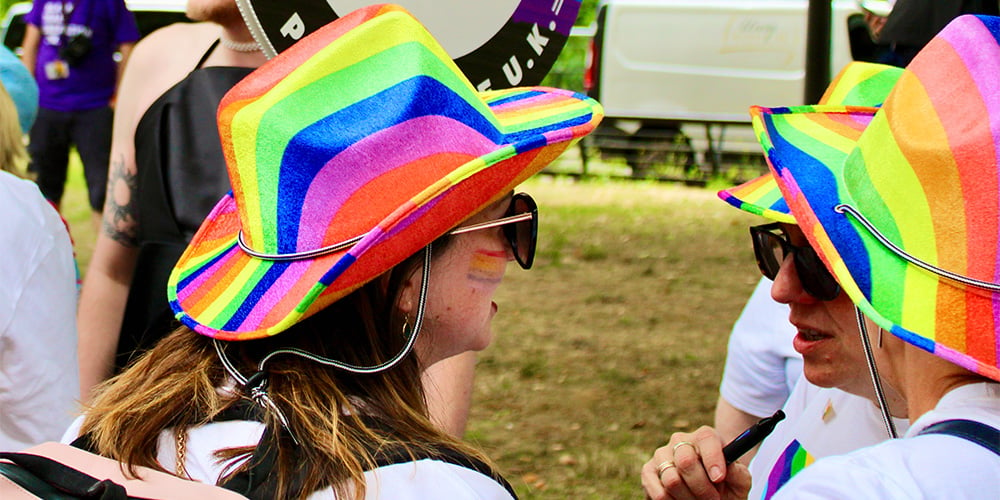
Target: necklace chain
(251, 46)
(181, 444)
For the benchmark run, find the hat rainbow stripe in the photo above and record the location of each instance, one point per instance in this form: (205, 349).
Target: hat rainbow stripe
(924, 177)
(365, 128)
(858, 84)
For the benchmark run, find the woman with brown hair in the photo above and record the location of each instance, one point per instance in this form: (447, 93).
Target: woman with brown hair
(371, 215)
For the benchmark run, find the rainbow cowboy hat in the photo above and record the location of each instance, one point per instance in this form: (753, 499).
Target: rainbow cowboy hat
(908, 221)
(858, 84)
(349, 152)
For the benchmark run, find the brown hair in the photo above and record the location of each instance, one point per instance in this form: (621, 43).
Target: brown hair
(175, 385)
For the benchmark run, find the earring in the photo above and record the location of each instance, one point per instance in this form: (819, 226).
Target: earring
(880, 330)
(406, 326)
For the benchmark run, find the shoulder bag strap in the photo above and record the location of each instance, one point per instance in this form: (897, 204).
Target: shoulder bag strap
(977, 432)
(50, 479)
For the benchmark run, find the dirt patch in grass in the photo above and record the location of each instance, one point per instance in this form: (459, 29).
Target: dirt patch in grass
(616, 337)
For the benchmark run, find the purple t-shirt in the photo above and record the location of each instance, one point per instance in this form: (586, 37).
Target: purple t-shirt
(91, 83)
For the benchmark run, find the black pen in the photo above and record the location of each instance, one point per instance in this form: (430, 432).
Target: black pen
(751, 437)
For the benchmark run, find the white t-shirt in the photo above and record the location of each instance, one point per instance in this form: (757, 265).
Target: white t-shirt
(928, 466)
(761, 365)
(39, 381)
(819, 423)
(419, 480)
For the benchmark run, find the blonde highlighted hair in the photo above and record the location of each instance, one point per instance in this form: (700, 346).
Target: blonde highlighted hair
(13, 154)
(339, 418)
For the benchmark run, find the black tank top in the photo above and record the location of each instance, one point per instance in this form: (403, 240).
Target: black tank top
(181, 176)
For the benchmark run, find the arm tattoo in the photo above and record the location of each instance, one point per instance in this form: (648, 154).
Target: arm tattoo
(120, 221)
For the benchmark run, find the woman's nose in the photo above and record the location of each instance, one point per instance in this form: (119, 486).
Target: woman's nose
(787, 287)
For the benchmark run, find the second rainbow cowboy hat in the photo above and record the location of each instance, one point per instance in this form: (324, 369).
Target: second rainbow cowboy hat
(349, 152)
(862, 86)
(906, 217)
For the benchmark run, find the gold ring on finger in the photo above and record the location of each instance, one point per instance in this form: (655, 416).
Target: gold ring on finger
(660, 469)
(682, 443)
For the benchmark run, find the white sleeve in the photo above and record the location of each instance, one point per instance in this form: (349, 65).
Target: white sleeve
(39, 380)
(761, 365)
(425, 479)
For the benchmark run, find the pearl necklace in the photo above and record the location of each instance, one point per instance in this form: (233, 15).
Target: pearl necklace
(251, 46)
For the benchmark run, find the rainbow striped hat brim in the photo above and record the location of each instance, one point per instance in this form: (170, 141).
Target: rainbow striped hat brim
(858, 84)
(364, 129)
(909, 222)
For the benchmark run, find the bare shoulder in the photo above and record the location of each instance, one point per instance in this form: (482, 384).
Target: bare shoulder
(174, 49)
(163, 58)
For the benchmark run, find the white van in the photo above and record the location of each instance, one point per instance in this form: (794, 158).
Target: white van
(663, 67)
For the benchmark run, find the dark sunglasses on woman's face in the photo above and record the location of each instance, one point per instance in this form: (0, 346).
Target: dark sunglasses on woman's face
(771, 245)
(520, 226)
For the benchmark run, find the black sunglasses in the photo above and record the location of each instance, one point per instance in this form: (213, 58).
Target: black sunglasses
(520, 226)
(771, 246)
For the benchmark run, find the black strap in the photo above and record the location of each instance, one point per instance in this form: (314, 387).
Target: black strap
(47, 478)
(970, 430)
(204, 57)
(255, 481)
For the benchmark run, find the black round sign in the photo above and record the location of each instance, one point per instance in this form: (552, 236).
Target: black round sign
(497, 43)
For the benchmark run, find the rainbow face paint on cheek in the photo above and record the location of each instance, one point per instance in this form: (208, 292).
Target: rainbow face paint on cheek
(487, 267)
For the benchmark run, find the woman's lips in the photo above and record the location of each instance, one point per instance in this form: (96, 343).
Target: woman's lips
(807, 340)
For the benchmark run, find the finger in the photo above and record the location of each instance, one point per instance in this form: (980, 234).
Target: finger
(709, 445)
(693, 480)
(738, 481)
(651, 478)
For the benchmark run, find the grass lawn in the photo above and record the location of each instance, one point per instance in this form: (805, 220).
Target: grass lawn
(615, 339)
(76, 210)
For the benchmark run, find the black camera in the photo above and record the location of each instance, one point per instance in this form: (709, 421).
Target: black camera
(75, 49)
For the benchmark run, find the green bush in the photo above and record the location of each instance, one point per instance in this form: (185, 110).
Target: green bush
(567, 72)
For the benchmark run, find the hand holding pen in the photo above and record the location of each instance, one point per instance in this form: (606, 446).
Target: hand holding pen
(697, 465)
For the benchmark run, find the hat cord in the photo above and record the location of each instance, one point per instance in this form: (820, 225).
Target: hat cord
(256, 385)
(890, 427)
(848, 209)
(308, 254)
(418, 321)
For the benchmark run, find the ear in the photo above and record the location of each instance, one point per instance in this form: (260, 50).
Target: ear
(408, 291)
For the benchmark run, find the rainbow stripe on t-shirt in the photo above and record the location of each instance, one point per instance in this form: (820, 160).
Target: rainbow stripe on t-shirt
(792, 460)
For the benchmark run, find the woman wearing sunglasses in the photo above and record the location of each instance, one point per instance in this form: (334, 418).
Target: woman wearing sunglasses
(906, 224)
(831, 409)
(371, 221)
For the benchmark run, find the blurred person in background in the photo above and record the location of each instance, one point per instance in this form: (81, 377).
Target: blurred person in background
(166, 173)
(69, 46)
(23, 89)
(912, 23)
(38, 367)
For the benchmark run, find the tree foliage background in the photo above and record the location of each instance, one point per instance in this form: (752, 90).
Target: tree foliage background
(567, 72)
